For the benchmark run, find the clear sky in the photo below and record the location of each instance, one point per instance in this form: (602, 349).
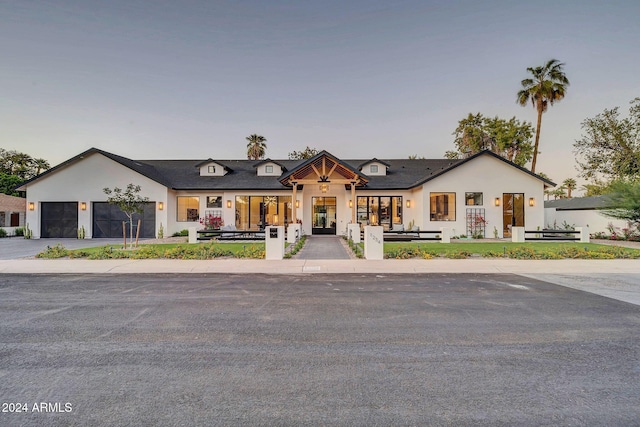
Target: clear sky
(361, 79)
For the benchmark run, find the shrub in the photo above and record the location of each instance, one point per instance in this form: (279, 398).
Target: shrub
(181, 233)
(458, 254)
(20, 231)
(251, 252)
(3, 232)
(57, 251)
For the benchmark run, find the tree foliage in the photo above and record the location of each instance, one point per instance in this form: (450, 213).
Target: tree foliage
(510, 139)
(569, 184)
(546, 85)
(305, 154)
(129, 201)
(257, 147)
(625, 198)
(16, 168)
(610, 145)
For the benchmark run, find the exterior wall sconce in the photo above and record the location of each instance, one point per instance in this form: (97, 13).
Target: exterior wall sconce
(350, 203)
(32, 206)
(160, 206)
(83, 206)
(297, 203)
(229, 204)
(532, 201)
(497, 201)
(408, 203)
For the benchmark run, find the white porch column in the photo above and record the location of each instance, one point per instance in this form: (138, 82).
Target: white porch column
(294, 213)
(354, 203)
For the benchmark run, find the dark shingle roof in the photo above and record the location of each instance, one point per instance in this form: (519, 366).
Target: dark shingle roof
(579, 203)
(185, 175)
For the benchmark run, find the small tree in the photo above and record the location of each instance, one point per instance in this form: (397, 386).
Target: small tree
(305, 154)
(625, 200)
(129, 201)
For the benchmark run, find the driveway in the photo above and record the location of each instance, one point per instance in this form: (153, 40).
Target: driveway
(18, 247)
(295, 350)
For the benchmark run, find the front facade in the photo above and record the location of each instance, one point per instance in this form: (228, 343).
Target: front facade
(481, 196)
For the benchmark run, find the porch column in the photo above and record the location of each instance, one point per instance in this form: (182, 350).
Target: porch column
(354, 203)
(293, 203)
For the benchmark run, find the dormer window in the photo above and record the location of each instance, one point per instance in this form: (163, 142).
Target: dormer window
(373, 169)
(268, 169)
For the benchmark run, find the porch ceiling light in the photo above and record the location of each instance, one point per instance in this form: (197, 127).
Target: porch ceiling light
(497, 201)
(324, 187)
(532, 201)
(32, 206)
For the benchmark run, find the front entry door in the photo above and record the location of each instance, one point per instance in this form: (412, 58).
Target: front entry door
(512, 212)
(324, 215)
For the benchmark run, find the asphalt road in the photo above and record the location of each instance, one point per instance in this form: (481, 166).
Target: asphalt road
(350, 350)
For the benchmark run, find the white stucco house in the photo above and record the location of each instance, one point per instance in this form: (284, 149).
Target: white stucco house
(12, 212)
(324, 193)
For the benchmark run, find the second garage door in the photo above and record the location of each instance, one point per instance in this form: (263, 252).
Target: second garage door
(107, 221)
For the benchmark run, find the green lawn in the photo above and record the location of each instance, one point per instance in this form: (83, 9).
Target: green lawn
(530, 250)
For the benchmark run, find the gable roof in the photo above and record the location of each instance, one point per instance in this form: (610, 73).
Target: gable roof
(374, 160)
(307, 166)
(458, 163)
(137, 166)
(268, 160)
(402, 174)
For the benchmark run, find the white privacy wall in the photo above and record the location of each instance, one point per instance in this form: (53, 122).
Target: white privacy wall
(83, 181)
(594, 219)
(491, 177)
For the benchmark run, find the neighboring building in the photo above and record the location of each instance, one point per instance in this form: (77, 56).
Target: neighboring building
(324, 193)
(580, 212)
(12, 212)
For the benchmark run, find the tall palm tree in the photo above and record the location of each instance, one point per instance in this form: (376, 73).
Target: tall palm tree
(546, 85)
(256, 148)
(569, 184)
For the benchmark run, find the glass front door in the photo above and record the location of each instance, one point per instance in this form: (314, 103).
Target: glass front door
(324, 215)
(512, 212)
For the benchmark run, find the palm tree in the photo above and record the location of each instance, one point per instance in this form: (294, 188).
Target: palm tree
(569, 184)
(546, 85)
(256, 147)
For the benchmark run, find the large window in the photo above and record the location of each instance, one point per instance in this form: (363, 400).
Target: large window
(188, 208)
(473, 199)
(380, 210)
(443, 206)
(256, 212)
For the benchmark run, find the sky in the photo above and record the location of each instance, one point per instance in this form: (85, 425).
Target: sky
(192, 79)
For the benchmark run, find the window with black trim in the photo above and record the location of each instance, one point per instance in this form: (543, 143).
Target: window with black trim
(443, 206)
(188, 208)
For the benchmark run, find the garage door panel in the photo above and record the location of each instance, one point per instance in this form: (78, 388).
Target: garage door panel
(107, 221)
(59, 220)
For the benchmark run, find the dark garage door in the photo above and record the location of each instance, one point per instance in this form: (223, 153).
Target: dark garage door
(107, 221)
(59, 219)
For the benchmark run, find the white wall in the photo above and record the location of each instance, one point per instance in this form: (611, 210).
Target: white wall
(83, 181)
(491, 177)
(594, 219)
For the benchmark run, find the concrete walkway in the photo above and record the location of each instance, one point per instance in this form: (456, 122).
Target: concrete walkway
(323, 247)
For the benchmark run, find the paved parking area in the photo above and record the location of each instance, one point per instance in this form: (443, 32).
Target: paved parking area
(322, 349)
